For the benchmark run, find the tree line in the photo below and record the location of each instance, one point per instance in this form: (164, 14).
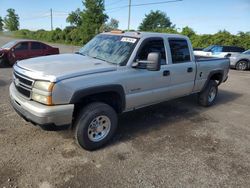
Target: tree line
(10, 21)
(91, 20)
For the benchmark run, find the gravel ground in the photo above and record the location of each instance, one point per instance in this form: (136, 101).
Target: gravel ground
(173, 144)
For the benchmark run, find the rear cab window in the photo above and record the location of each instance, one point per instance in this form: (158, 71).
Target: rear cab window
(179, 49)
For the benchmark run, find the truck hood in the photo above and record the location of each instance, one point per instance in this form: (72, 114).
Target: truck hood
(58, 67)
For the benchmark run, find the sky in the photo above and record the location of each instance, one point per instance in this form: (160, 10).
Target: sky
(204, 16)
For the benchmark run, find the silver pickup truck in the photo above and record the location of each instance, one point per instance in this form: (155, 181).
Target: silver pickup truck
(114, 73)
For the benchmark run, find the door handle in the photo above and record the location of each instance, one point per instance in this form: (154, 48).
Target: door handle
(190, 69)
(166, 73)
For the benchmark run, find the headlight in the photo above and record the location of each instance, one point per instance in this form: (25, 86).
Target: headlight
(1, 54)
(42, 99)
(44, 86)
(41, 92)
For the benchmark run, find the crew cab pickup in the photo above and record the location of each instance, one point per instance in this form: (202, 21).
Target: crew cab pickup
(114, 73)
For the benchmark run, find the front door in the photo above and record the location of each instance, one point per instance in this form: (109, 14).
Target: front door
(20, 51)
(146, 87)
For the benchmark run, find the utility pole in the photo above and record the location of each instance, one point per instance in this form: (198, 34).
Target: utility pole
(51, 20)
(129, 13)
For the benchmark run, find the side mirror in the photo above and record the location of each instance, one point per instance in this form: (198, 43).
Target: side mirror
(154, 61)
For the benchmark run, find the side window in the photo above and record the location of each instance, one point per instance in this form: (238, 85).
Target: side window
(237, 49)
(43, 46)
(179, 50)
(217, 49)
(227, 49)
(22, 46)
(153, 46)
(247, 52)
(36, 46)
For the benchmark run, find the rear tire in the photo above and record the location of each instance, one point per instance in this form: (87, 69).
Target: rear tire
(208, 96)
(11, 63)
(95, 125)
(242, 65)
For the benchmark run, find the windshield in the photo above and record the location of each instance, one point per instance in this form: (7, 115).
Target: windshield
(110, 48)
(247, 52)
(9, 45)
(208, 49)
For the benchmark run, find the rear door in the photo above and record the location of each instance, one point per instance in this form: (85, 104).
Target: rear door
(36, 49)
(181, 67)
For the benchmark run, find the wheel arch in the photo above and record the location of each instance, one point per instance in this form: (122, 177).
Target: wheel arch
(216, 75)
(112, 95)
(244, 59)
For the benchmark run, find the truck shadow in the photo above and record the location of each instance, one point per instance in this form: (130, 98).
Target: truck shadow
(160, 116)
(4, 65)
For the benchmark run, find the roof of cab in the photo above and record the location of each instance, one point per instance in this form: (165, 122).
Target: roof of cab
(138, 34)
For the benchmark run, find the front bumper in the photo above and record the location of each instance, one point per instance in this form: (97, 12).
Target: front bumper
(40, 114)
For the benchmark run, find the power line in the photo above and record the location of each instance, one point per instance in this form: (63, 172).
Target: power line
(141, 4)
(144, 4)
(33, 18)
(156, 3)
(116, 10)
(113, 3)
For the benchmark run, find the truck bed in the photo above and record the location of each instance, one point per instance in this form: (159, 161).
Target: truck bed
(206, 58)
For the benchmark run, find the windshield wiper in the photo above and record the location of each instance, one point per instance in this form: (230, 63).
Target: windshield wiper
(96, 57)
(80, 53)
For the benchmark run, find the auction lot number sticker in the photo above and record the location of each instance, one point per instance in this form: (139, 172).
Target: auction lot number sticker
(127, 39)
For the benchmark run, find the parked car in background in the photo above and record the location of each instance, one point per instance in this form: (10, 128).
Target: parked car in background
(219, 51)
(198, 49)
(240, 61)
(24, 49)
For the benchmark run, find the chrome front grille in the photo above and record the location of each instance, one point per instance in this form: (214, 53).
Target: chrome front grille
(23, 84)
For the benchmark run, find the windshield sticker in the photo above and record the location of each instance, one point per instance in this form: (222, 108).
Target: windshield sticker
(126, 39)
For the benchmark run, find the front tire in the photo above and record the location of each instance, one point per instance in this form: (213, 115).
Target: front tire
(3, 61)
(242, 65)
(208, 96)
(95, 125)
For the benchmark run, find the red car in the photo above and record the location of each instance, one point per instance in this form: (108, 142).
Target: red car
(24, 49)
